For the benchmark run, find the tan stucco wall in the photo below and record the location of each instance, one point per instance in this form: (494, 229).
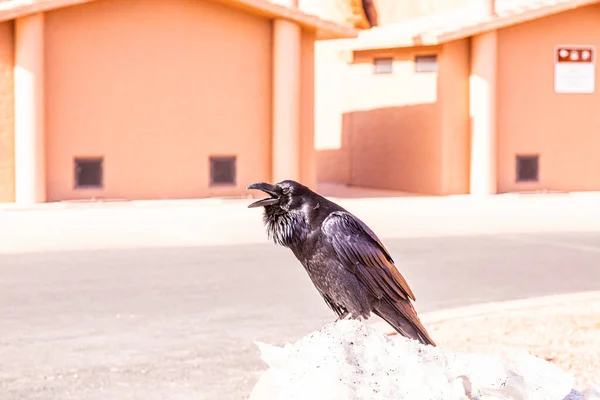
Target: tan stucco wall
(7, 144)
(391, 11)
(562, 128)
(405, 131)
(308, 162)
(395, 132)
(345, 12)
(333, 97)
(156, 95)
(453, 95)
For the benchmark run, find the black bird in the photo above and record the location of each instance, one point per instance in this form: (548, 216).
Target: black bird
(346, 261)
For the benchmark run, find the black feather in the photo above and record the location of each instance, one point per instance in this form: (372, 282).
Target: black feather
(348, 264)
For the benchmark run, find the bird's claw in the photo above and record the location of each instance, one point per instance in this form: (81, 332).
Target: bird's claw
(343, 316)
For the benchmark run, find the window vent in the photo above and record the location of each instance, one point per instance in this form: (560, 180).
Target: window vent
(88, 172)
(528, 168)
(383, 65)
(426, 63)
(222, 170)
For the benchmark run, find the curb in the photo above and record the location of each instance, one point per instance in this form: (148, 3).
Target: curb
(494, 308)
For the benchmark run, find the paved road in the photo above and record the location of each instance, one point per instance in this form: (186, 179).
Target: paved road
(178, 322)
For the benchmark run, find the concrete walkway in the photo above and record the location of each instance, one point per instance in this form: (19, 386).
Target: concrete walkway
(213, 222)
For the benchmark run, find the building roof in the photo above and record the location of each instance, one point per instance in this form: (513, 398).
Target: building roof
(11, 9)
(442, 28)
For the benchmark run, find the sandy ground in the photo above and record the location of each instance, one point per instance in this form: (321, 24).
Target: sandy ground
(565, 333)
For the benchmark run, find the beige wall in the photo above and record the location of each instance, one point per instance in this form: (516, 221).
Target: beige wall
(406, 130)
(453, 95)
(333, 97)
(308, 162)
(351, 12)
(391, 11)
(7, 144)
(394, 130)
(345, 12)
(562, 128)
(156, 95)
(411, 132)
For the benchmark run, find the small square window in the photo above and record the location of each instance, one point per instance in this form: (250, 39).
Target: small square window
(222, 170)
(383, 65)
(426, 63)
(528, 168)
(88, 172)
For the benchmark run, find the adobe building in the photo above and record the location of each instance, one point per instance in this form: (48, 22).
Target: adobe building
(137, 99)
(496, 98)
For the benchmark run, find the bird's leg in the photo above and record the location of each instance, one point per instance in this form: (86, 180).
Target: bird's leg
(343, 316)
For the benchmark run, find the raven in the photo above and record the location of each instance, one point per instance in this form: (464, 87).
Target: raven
(346, 261)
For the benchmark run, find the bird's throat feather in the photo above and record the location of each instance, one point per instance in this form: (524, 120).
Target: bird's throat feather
(286, 229)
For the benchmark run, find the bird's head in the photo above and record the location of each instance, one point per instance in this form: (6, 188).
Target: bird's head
(288, 211)
(291, 211)
(283, 197)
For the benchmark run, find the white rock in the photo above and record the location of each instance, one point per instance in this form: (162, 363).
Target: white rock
(349, 360)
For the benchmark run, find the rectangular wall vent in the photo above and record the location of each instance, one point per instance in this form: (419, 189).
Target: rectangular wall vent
(528, 168)
(426, 63)
(88, 172)
(223, 170)
(383, 65)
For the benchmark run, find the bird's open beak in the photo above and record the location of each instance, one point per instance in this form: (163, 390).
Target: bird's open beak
(269, 189)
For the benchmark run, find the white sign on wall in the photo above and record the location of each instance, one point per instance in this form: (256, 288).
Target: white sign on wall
(574, 69)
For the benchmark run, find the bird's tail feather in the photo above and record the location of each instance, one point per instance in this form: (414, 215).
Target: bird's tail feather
(403, 318)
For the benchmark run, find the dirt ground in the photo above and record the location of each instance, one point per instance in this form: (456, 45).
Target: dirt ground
(567, 335)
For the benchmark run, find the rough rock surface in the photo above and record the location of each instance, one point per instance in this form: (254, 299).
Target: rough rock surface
(349, 360)
(565, 334)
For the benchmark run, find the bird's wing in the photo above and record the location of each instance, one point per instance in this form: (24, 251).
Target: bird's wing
(363, 253)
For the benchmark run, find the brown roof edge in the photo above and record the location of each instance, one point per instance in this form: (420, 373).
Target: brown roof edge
(324, 29)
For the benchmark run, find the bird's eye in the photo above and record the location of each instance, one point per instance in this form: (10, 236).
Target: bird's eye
(285, 190)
